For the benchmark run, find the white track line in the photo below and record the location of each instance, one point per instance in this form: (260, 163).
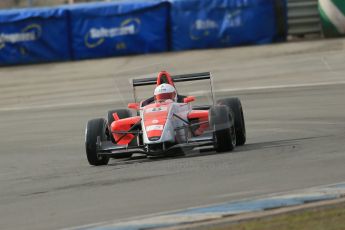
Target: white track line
(230, 90)
(255, 88)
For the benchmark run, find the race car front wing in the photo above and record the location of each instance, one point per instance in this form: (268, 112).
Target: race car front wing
(112, 150)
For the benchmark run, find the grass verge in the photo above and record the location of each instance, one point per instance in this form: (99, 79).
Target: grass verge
(321, 218)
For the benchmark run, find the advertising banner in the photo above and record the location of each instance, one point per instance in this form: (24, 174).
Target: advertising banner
(221, 23)
(119, 28)
(33, 35)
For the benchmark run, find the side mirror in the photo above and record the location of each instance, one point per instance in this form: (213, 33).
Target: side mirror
(188, 99)
(133, 106)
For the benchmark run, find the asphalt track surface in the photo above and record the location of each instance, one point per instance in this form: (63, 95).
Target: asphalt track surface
(294, 100)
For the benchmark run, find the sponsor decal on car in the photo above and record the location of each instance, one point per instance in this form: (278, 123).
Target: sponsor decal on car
(158, 109)
(154, 127)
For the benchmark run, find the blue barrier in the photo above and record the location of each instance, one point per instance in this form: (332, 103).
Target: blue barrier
(220, 23)
(136, 26)
(119, 28)
(33, 35)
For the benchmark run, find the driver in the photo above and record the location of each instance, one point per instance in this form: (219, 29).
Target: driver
(165, 93)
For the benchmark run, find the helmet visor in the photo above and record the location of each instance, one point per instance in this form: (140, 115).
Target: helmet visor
(165, 96)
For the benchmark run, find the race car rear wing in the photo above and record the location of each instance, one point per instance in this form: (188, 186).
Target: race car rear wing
(176, 78)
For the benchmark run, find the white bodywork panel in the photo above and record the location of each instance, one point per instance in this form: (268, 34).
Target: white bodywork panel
(170, 134)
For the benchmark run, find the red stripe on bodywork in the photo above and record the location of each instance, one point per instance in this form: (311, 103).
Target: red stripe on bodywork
(116, 116)
(201, 116)
(156, 118)
(123, 125)
(166, 75)
(198, 114)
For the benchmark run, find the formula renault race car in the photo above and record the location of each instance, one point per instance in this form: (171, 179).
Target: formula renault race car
(165, 124)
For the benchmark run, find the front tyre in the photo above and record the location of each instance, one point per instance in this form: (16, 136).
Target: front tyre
(95, 128)
(222, 123)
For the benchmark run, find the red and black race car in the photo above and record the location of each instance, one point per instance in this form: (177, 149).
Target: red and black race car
(165, 124)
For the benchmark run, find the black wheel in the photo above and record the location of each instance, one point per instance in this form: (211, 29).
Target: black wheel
(121, 113)
(224, 130)
(95, 128)
(234, 104)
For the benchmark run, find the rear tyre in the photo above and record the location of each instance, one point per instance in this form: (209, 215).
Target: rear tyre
(224, 131)
(95, 128)
(234, 104)
(121, 113)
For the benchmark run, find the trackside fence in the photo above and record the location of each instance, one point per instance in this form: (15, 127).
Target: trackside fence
(126, 27)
